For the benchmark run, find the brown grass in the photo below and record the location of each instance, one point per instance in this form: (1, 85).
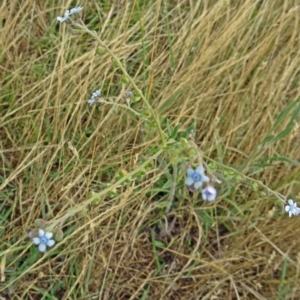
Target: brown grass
(229, 66)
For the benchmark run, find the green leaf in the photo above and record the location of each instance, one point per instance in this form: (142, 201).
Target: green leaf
(168, 184)
(284, 113)
(124, 79)
(136, 98)
(159, 244)
(271, 138)
(174, 132)
(283, 134)
(100, 50)
(187, 132)
(267, 139)
(115, 64)
(289, 160)
(254, 186)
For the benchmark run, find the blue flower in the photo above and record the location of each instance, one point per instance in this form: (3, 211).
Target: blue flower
(94, 96)
(209, 193)
(76, 10)
(292, 208)
(196, 177)
(65, 17)
(128, 95)
(43, 240)
(69, 13)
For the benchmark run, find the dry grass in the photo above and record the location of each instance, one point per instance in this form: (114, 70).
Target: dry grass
(231, 67)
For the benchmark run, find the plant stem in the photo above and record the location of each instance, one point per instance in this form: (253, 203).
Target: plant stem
(118, 62)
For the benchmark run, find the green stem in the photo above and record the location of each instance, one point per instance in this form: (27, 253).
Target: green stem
(73, 211)
(277, 195)
(173, 188)
(140, 93)
(120, 105)
(200, 157)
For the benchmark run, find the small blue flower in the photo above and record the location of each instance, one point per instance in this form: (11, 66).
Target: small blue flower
(292, 208)
(94, 96)
(69, 13)
(128, 95)
(43, 240)
(196, 177)
(209, 193)
(65, 17)
(76, 10)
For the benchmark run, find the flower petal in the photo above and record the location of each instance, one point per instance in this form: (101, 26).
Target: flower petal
(50, 243)
(205, 178)
(198, 185)
(211, 198)
(76, 10)
(42, 247)
(48, 235)
(62, 19)
(209, 193)
(97, 93)
(189, 181)
(287, 208)
(41, 232)
(200, 170)
(190, 172)
(291, 202)
(297, 211)
(36, 240)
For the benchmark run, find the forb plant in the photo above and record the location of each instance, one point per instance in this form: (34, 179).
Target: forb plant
(46, 233)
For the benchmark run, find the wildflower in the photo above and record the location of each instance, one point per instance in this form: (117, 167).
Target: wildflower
(128, 95)
(292, 208)
(196, 177)
(94, 96)
(76, 10)
(209, 193)
(69, 13)
(65, 17)
(192, 134)
(43, 240)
